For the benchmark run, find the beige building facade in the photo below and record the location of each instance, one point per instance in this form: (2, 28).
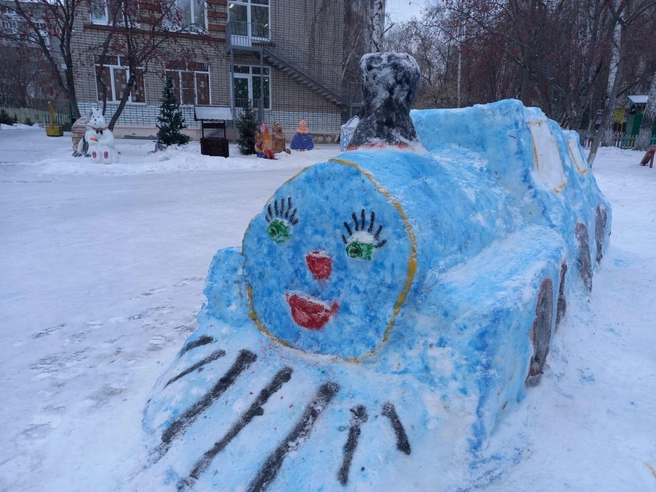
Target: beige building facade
(288, 58)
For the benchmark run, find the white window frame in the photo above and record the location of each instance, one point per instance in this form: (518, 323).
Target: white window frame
(250, 76)
(249, 4)
(115, 98)
(96, 20)
(194, 27)
(180, 71)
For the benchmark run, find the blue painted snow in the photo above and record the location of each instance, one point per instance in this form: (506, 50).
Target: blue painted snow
(436, 322)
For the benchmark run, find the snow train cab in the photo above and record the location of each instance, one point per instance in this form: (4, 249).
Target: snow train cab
(386, 309)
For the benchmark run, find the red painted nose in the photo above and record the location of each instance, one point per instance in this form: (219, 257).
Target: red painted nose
(319, 264)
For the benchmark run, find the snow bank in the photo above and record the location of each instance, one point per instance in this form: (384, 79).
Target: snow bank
(20, 126)
(137, 157)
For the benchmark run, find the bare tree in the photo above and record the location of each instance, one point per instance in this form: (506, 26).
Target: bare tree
(356, 39)
(517, 27)
(25, 78)
(625, 14)
(590, 49)
(435, 42)
(140, 33)
(555, 54)
(377, 24)
(48, 24)
(647, 124)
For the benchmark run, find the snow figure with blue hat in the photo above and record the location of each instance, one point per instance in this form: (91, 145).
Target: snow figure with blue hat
(387, 307)
(302, 140)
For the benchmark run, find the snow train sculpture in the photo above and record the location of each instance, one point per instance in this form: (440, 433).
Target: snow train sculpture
(387, 307)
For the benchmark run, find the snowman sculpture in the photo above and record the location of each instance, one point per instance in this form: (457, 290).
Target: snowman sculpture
(102, 147)
(387, 307)
(98, 140)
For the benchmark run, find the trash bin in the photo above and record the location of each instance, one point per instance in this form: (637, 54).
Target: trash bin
(215, 145)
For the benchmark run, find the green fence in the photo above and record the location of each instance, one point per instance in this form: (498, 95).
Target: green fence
(622, 141)
(628, 141)
(38, 117)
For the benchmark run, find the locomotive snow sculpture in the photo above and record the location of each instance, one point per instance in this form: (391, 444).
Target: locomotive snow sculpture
(386, 309)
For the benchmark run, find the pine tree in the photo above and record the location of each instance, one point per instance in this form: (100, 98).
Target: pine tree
(247, 124)
(5, 118)
(170, 120)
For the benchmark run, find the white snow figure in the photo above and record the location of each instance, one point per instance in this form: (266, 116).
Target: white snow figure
(96, 122)
(385, 310)
(101, 146)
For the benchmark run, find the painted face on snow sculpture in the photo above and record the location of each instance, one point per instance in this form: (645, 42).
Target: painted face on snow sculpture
(328, 267)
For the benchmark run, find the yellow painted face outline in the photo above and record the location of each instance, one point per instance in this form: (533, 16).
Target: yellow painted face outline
(412, 268)
(539, 123)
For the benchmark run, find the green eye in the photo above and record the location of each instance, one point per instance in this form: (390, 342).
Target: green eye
(281, 217)
(362, 243)
(279, 231)
(363, 251)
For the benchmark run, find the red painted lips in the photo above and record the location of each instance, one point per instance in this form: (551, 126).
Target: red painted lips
(310, 313)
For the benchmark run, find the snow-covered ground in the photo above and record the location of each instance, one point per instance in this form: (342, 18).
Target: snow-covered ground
(101, 278)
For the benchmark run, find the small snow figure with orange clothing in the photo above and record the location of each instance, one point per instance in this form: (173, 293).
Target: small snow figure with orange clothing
(263, 144)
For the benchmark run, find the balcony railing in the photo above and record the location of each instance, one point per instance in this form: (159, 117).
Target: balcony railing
(245, 34)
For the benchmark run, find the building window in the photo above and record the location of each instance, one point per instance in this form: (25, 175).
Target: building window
(250, 18)
(250, 86)
(99, 12)
(192, 14)
(191, 81)
(10, 26)
(115, 74)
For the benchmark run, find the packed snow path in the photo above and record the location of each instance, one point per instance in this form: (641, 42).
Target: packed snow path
(101, 277)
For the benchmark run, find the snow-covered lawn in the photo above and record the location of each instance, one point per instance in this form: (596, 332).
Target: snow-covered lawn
(101, 277)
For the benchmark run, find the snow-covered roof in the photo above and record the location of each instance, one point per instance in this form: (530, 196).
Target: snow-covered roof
(638, 99)
(212, 113)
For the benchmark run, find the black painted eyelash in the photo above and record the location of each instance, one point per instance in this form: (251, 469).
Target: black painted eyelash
(360, 224)
(282, 211)
(302, 431)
